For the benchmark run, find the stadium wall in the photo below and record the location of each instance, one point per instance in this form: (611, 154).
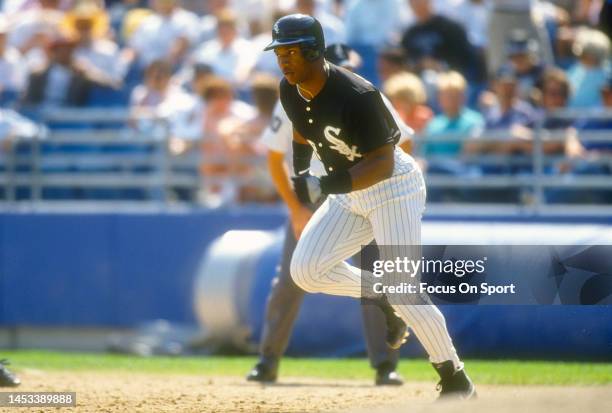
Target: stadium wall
(119, 270)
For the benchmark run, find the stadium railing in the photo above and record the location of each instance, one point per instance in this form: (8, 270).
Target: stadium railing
(536, 180)
(92, 154)
(95, 155)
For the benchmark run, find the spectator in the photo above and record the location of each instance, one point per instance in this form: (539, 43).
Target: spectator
(510, 15)
(266, 62)
(34, 29)
(523, 60)
(222, 115)
(507, 121)
(601, 124)
(588, 75)
(157, 98)
(333, 28)
(264, 92)
(508, 110)
(208, 22)
(231, 56)
(456, 120)
(127, 19)
(605, 18)
(222, 112)
(375, 23)
(474, 17)
(89, 24)
(438, 43)
(62, 82)
(564, 44)
(555, 97)
(390, 61)
(407, 94)
(118, 13)
(186, 126)
(166, 34)
(12, 73)
(591, 150)
(584, 156)
(248, 154)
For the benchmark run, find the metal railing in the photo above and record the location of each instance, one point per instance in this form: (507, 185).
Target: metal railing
(534, 174)
(124, 164)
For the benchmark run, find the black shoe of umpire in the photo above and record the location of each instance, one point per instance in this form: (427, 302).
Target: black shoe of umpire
(396, 328)
(387, 376)
(7, 379)
(263, 372)
(453, 384)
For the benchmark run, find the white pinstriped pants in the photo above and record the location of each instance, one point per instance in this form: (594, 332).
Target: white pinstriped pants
(389, 212)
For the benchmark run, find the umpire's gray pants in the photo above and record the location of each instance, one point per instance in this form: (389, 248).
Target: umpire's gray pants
(283, 306)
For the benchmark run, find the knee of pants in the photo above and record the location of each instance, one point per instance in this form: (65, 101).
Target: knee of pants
(418, 315)
(304, 273)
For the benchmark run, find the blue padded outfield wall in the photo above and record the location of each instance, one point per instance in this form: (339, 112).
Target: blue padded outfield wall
(118, 270)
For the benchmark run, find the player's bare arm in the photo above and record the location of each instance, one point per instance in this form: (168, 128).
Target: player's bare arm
(376, 166)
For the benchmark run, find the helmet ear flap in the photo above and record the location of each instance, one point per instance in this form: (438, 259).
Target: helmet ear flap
(311, 51)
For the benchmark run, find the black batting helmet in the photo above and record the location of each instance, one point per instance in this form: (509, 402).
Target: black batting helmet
(299, 29)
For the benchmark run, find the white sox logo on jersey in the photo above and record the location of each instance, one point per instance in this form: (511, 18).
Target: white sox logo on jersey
(338, 145)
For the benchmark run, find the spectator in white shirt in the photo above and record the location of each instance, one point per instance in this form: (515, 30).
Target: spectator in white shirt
(230, 55)
(376, 22)
(12, 73)
(208, 22)
(158, 98)
(166, 34)
(333, 28)
(33, 29)
(94, 50)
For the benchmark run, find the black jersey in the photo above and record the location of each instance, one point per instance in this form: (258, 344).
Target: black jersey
(347, 119)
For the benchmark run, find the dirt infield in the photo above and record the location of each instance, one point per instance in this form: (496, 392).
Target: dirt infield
(136, 392)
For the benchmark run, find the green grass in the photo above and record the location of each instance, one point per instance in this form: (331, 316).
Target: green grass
(485, 372)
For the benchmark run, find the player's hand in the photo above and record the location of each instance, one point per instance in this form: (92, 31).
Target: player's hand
(299, 218)
(307, 188)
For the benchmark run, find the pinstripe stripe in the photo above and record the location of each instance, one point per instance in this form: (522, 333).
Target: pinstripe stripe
(389, 212)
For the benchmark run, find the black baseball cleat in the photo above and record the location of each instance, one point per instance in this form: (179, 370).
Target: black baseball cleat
(397, 332)
(7, 379)
(387, 376)
(263, 373)
(454, 384)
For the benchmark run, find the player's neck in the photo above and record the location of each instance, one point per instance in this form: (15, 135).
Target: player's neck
(315, 83)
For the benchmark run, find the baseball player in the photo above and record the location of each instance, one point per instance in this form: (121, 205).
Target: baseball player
(7, 379)
(285, 297)
(374, 191)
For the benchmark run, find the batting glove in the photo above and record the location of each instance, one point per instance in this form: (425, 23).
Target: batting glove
(307, 188)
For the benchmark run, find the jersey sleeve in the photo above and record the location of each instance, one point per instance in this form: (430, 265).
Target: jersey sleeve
(278, 135)
(371, 125)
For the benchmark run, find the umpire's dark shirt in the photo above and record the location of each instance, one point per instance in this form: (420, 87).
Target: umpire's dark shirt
(347, 119)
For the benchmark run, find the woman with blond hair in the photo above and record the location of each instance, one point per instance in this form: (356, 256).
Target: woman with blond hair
(408, 96)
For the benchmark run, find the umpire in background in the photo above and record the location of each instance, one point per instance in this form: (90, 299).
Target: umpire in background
(285, 297)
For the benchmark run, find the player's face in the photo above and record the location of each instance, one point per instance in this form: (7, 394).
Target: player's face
(292, 63)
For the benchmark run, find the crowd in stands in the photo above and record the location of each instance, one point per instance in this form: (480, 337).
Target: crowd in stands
(457, 71)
